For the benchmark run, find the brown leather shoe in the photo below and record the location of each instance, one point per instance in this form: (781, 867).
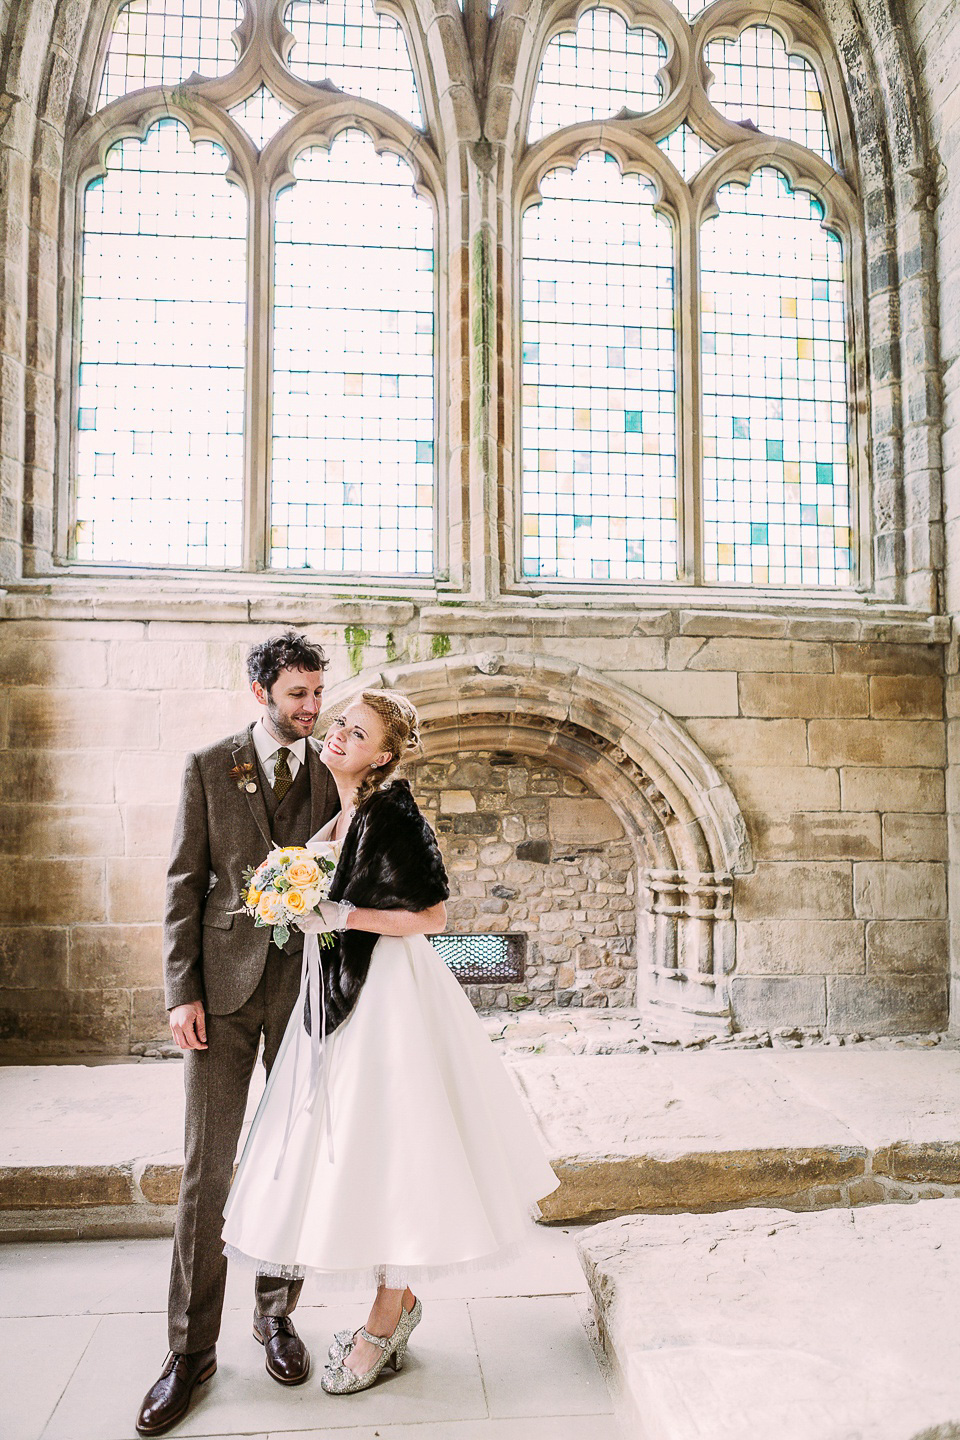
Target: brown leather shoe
(169, 1400)
(288, 1359)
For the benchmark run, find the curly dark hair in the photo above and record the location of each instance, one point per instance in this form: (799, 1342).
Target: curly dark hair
(287, 651)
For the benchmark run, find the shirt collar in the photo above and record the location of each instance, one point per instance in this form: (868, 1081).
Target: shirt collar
(267, 747)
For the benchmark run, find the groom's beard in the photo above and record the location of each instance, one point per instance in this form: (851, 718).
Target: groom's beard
(285, 727)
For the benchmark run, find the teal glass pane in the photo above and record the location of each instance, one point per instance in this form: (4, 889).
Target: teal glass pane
(353, 366)
(776, 474)
(755, 79)
(363, 53)
(598, 416)
(594, 71)
(161, 42)
(161, 383)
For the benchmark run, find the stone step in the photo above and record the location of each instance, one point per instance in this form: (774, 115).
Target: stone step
(839, 1325)
(97, 1149)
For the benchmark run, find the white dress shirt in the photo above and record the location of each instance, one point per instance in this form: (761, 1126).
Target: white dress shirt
(268, 749)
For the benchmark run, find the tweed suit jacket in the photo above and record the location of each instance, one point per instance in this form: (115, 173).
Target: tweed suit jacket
(209, 952)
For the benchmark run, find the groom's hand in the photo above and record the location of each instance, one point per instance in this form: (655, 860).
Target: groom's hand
(189, 1026)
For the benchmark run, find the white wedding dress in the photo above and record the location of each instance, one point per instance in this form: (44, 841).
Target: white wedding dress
(401, 1153)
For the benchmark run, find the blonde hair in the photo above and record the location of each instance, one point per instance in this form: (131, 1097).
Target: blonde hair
(401, 734)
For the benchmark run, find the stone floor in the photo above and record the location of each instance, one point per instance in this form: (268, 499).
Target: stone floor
(505, 1356)
(757, 1325)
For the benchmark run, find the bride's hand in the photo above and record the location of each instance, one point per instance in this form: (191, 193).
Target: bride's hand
(319, 924)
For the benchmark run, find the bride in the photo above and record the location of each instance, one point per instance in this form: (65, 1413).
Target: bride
(395, 1148)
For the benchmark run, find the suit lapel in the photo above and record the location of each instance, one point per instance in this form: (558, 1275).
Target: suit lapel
(320, 782)
(245, 754)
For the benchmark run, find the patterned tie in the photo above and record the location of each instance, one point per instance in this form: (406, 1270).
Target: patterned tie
(282, 779)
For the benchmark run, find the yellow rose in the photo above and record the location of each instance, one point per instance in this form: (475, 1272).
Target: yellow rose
(253, 896)
(295, 902)
(268, 908)
(304, 874)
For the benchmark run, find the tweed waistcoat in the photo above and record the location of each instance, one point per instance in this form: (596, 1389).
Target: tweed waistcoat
(290, 817)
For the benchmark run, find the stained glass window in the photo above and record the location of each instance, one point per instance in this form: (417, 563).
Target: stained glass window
(755, 79)
(599, 379)
(776, 477)
(594, 71)
(161, 42)
(161, 383)
(353, 439)
(687, 151)
(363, 53)
(261, 115)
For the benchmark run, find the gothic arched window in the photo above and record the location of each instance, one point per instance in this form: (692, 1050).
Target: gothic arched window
(690, 250)
(255, 349)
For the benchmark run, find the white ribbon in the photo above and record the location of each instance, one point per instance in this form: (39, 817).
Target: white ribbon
(312, 984)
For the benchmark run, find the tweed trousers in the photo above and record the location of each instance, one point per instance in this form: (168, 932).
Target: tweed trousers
(216, 1081)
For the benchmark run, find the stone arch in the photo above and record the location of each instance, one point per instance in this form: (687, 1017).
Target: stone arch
(683, 819)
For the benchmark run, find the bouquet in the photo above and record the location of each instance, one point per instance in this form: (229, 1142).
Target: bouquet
(288, 885)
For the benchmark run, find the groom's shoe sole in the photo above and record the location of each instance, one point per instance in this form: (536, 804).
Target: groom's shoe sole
(281, 1379)
(171, 1420)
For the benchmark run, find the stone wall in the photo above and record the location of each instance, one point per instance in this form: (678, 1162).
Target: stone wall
(530, 850)
(829, 732)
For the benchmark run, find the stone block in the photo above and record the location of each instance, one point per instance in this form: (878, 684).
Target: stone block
(743, 653)
(147, 829)
(906, 697)
(52, 830)
(874, 658)
(27, 1187)
(799, 890)
(67, 664)
(188, 665)
(115, 956)
(896, 890)
(750, 742)
(786, 789)
(787, 696)
(73, 776)
(763, 1002)
(51, 892)
(582, 822)
(148, 780)
(836, 835)
(48, 718)
(148, 1016)
(876, 742)
(881, 1005)
(457, 802)
(159, 1183)
(190, 720)
(33, 958)
(933, 1162)
(135, 890)
(58, 1022)
(800, 947)
(908, 947)
(893, 788)
(914, 837)
(706, 693)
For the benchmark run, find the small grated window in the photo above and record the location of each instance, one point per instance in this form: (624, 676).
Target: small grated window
(482, 959)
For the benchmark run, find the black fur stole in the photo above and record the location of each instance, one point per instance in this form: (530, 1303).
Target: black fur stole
(389, 861)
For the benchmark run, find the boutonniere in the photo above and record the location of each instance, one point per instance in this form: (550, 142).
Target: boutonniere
(242, 777)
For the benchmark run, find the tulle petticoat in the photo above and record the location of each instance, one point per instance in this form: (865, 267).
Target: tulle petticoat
(407, 1155)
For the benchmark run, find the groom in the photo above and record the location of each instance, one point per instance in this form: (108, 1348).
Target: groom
(226, 985)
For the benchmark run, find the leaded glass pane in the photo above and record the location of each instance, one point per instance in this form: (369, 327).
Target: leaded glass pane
(160, 393)
(591, 73)
(161, 42)
(776, 479)
(261, 115)
(363, 53)
(599, 379)
(755, 79)
(353, 439)
(687, 151)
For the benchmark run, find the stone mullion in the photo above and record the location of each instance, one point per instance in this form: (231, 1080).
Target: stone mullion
(689, 400)
(259, 397)
(486, 458)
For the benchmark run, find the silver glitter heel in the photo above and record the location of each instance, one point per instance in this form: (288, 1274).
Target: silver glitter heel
(339, 1379)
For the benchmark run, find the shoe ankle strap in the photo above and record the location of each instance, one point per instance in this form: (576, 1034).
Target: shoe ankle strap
(382, 1340)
